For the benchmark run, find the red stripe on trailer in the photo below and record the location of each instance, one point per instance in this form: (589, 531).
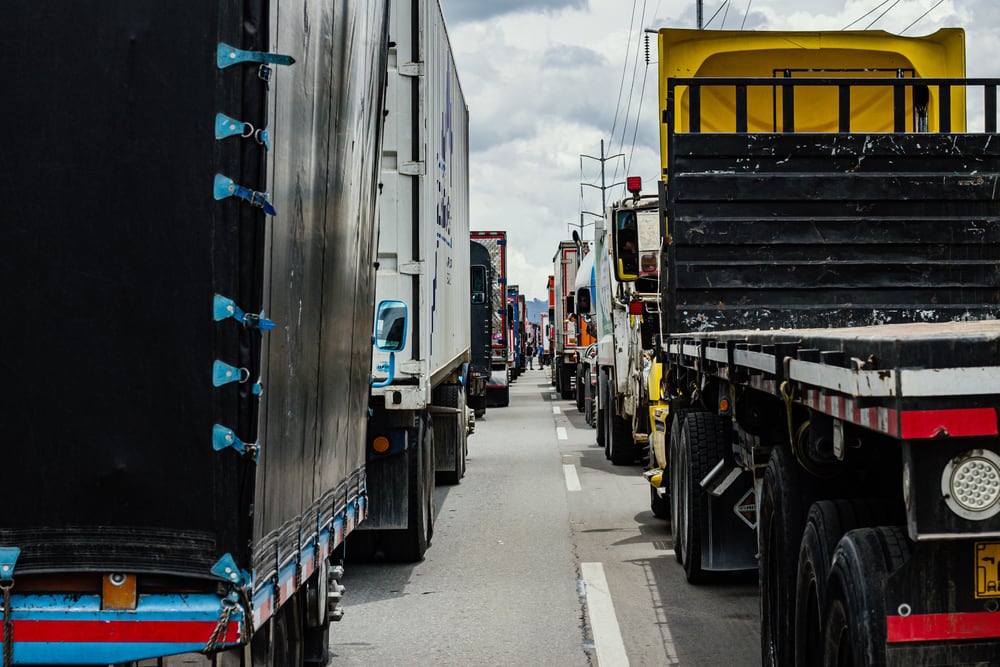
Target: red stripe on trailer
(916, 425)
(884, 420)
(942, 627)
(171, 632)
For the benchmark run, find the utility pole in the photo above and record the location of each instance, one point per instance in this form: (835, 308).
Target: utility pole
(701, 13)
(603, 187)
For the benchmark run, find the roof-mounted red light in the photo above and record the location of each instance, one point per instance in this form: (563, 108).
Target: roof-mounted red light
(634, 185)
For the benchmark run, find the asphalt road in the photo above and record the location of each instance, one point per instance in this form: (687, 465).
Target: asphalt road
(545, 554)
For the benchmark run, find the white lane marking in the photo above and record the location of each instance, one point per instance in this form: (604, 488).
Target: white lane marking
(572, 479)
(561, 433)
(556, 410)
(607, 634)
(668, 552)
(555, 395)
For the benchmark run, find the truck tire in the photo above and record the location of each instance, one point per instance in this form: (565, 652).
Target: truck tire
(599, 408)
(286, 637)
(557, 374)
(566, 387)
(623, 450)
(673, 472)
(827, 522)
(854, 632)
(579, 390)
(702, 445)
(781, 519)
(409, 544)
(450, 435)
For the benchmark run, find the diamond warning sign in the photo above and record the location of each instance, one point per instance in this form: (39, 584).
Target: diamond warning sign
(746, 508)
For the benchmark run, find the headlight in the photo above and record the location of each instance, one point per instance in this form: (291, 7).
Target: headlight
(971, 484)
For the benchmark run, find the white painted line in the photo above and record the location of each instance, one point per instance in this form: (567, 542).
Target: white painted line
(555, 395)
(572, 479)
(668, 552)
(556, 410)
(561, 433)
(607, 634)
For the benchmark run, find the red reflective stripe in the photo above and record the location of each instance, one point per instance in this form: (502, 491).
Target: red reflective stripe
(942, 627)
(954, 423)
(175, 632)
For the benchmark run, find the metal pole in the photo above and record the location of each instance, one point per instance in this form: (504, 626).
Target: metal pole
(701, 13)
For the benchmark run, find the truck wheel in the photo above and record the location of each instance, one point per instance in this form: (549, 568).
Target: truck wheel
(579, 391)
(674, 471)
(557, 375)
(702, 445)
(781, 519)
(566, 386)
(623, 449)
(854, 633)
(408, 545)
(599, 408)
(449, 446)
(827, 522)
(287, 635)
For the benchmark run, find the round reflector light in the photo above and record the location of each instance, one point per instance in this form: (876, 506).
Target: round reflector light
(971, 484)
(380, 444)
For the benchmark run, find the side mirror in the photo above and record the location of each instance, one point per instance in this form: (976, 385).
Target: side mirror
(625, 246)
(390, 335)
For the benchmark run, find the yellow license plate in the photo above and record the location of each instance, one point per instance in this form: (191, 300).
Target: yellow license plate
(988, 569)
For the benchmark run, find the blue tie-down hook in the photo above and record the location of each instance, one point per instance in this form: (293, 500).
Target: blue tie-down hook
(223, 438)
(223, 308)
(226, 56)
(225, 187)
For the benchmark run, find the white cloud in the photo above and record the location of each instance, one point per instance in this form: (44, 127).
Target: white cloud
(542, 83)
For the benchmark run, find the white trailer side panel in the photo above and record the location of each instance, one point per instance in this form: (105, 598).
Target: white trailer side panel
(424, 234)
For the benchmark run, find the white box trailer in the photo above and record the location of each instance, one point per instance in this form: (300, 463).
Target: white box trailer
(418, 421)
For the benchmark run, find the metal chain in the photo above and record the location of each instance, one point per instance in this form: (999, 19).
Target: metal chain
(8, 625)
(220, 629)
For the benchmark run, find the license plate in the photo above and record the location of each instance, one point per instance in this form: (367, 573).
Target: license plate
(987, 569)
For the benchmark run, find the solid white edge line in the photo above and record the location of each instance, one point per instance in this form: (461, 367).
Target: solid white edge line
(572, 479)
(607, 635)
(561, 433)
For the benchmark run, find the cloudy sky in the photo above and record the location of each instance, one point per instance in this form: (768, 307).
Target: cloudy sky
(547, 80)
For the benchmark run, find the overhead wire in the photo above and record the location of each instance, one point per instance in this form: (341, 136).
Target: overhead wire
(621, 84)
(869, 26)
(628, 106)
(921, 17)
(868, 13)
(746, 14)
(709, 21)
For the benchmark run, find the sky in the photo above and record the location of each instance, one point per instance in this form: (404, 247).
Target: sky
(547, 80)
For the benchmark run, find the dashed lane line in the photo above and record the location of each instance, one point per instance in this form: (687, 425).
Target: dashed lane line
(572, 479)
(607, 635)
(561, 433)
(556, 410)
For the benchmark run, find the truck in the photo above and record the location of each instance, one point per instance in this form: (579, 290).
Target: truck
(418, 428)
(628, 322)
(828, 300)
(482, 284)
(564, 352)
(201, 461)
(584, 287)
(517, 336)
(498, 387)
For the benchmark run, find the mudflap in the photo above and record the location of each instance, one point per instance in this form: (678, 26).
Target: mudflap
(731, 543)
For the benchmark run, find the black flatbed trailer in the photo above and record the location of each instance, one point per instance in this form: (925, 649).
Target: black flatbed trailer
(828, 306)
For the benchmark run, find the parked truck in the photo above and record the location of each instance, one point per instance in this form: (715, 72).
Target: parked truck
(627, 319)
(418, 427)
(482, 284)
(564, 353)
(180, 469)
(828, 295)
(498, 388)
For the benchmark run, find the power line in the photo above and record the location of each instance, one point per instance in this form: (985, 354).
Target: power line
(638, 116)
(716, 14)
(628, 108)
(621, 84)
(723, 26)
(746, 14)
(881, 15)
(868, 13)
(919, 18)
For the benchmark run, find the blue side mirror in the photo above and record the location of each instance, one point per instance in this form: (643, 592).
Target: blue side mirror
(390, 334)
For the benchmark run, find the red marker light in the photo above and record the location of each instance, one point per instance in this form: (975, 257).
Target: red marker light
(634, 185)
